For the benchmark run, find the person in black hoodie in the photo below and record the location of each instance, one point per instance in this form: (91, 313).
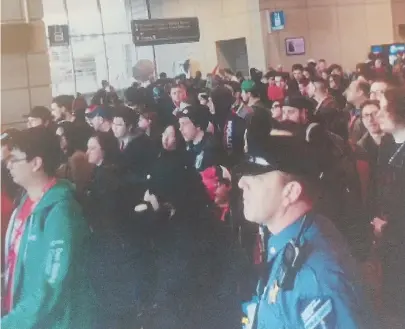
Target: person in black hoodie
(196, 259)
(203, 147)
(222, 100)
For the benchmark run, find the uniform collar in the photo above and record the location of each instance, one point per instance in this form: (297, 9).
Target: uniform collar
(277, 242)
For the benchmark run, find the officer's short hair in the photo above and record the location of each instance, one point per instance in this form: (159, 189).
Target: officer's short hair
(311, 187)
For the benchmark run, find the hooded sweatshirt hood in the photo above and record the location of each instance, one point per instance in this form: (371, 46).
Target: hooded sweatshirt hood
(63, 190)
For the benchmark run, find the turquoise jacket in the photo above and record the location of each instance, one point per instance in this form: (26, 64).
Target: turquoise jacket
(50, 286)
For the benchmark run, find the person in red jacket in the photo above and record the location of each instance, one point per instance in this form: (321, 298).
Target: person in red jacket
(9, 189)
(275, 92)
(217, 181)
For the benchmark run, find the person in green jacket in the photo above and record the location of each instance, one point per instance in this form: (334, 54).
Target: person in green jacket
(45, 285)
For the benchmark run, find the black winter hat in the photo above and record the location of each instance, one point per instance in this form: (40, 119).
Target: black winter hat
(299, 102)
(197, 115)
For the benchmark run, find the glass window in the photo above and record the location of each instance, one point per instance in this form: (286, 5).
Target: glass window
(143, 53)
(116, 18)
(120, 59)
(84, 17)
(60, 59)
(101, 46)
(63, 81)
(54, 12)
(90, 65)
(138, 9)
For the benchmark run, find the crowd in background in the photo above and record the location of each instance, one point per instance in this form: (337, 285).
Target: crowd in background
(147, 188)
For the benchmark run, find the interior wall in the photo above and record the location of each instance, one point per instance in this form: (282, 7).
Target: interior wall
(219, 20)
(25, 72)
(398, 17)
(340, 31)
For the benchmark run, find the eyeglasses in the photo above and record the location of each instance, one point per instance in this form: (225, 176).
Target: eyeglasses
(372, 115)
(11, 160)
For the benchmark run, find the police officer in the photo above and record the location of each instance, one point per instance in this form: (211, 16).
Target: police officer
(310, 279)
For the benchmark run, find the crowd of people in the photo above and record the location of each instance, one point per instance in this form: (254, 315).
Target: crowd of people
(270, 201)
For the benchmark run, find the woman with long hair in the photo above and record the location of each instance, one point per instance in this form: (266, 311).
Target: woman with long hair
(74, 165)
(336, 89)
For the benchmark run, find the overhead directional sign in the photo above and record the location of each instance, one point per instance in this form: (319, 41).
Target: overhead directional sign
(150, 32)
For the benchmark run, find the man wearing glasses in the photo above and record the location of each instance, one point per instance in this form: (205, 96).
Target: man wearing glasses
(372, 138)
(44, 281)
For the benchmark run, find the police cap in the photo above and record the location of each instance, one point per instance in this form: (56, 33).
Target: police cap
(287, 154)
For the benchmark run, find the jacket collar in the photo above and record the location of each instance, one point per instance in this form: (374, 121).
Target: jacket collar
(277, 242)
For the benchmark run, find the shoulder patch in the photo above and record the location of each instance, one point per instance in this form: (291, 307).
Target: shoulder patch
(317, 313)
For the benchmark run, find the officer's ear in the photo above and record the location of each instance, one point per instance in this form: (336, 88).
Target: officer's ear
(292, 192)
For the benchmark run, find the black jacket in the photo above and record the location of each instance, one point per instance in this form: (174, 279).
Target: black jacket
(206, 153)
(340, 99)
(233, 139)
(197, 274)
(391, 188)
(100, 201)
(340, 195)
(138, 154)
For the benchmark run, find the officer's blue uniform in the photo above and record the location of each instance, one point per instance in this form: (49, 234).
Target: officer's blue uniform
(326, 292)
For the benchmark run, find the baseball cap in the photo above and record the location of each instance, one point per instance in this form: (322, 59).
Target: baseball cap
(103, 111)
(248, 85)
(288, 154)
(299, 102)
(197, 115)
(40, 112)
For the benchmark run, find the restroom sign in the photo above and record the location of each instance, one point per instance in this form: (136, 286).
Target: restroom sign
(58, 35)
(276, 20)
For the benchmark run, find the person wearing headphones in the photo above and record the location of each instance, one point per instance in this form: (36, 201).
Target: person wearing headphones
(309, 278)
